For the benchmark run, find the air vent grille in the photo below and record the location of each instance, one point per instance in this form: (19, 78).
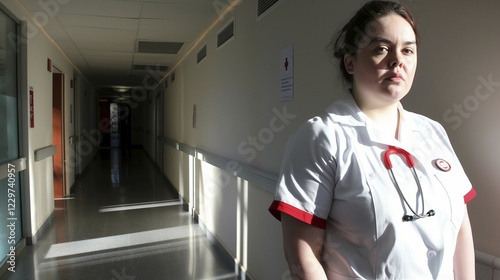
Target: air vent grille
(201, 54)
(264, 5)
(225, 34)
(159, 47)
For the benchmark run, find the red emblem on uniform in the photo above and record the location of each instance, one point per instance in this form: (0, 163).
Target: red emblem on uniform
(442, 165)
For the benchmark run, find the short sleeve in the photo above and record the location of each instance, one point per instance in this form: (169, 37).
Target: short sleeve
(470, 195)
(466, 188)
(307, 177)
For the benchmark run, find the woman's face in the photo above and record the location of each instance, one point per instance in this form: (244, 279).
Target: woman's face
(384, 66)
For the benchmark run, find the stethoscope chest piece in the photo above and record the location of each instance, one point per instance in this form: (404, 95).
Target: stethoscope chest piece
(442, 165)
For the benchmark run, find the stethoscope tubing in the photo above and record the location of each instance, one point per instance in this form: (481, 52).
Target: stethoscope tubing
(411, 165)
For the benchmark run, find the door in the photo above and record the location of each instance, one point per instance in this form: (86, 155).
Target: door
(105, 122)
(124, 125)
(10, 163)
(58, 133)
(159, 129)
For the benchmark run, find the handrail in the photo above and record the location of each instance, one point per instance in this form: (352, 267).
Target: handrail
(488, 260)
(45, 152)
(260, 178)
(18, 164)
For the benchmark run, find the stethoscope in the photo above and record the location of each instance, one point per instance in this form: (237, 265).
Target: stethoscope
(411, 164)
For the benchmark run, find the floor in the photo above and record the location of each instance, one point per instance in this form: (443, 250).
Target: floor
(124, 222)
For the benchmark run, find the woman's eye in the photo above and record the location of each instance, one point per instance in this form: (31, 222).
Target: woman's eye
(408, 51)
(381, 49)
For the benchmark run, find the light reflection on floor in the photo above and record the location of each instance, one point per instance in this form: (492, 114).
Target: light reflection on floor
(145, 235)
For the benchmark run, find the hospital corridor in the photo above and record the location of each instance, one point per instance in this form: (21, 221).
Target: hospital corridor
(147, 139)
(128, 223)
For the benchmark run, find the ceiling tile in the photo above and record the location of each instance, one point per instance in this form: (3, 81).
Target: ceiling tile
(102, 39)
(99, 22)
(203, 9)
(107, 8)
(100, 36)
(154, 59)
(163, 29)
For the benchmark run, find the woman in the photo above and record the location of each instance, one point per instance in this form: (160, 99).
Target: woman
(369, 190)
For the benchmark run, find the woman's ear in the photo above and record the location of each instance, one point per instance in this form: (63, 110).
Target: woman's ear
(349, 63)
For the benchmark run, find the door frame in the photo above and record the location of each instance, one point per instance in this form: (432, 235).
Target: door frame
(24, 126)
(62, 149)
(23, 131)
(159, 128)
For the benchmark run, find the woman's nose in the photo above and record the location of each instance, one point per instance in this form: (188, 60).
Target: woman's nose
(396, 61)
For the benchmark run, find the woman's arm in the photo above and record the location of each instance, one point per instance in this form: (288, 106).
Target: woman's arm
(464, 259)
(303, 245)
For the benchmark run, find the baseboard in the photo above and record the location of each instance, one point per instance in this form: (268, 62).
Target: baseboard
(241, 274)
(31, 240)
(215, 242)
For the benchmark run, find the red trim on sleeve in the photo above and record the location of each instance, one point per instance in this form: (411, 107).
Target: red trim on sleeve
(278, 207)
(470, 195)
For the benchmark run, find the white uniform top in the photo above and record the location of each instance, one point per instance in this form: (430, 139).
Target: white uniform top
(333, 177)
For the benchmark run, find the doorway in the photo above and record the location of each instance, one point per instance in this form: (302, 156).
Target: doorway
(159, 128)
(115, 124)
(58, 133)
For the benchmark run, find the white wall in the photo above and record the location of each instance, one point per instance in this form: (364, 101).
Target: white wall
(40, 48)
(459, 48)
(236, 87)
(236, 91)
(86, 119)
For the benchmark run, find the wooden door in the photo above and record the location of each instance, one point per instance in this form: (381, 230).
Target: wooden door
(58, 133)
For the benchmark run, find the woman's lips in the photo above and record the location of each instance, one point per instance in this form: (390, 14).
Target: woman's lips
(395, 78)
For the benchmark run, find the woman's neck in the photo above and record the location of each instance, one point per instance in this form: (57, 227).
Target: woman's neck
(386, 117)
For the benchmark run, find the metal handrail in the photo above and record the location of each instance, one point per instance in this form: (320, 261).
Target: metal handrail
(18, 165)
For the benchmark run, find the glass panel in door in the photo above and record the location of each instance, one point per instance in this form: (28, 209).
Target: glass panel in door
(10, 202)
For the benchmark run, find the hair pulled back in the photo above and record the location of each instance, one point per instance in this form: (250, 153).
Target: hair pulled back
(350, 37)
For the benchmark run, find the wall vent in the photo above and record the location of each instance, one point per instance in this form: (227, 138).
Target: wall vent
(264, 5)
(159, 47)
(202, 53)
(225, 34)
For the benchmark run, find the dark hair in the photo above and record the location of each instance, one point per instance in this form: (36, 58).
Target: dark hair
(348, 39)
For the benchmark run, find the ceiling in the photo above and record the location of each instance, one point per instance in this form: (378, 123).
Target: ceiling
(101, 37)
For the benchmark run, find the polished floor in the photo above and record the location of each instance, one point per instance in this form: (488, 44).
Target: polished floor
(124, 222)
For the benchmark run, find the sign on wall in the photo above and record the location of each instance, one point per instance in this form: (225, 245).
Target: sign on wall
(32, 108)
(286, 74)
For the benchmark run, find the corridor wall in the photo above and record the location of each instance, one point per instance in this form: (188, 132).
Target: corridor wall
(235, 91)
(228, 104)
(39, 50)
